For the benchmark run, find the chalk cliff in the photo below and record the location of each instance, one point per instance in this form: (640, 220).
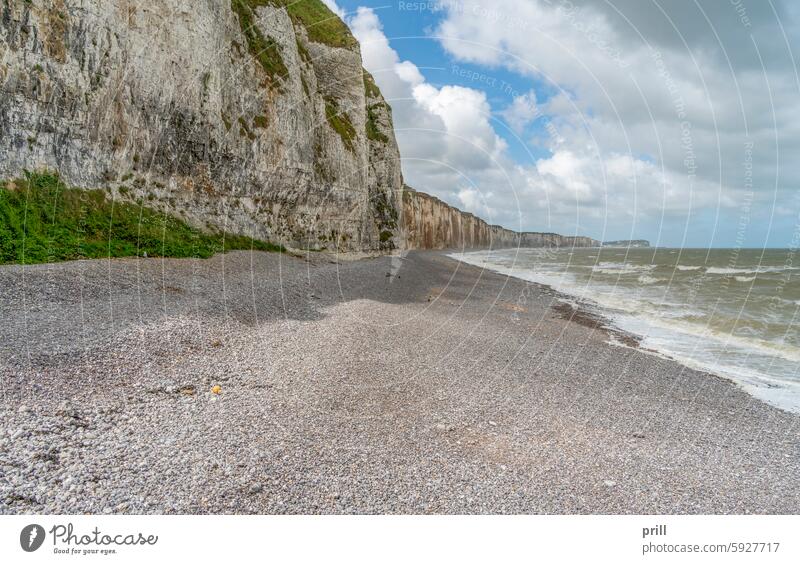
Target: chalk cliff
(429, 223)
(250, 115)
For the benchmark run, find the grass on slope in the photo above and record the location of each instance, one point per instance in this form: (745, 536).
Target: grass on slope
(322, 25)
(41, 220)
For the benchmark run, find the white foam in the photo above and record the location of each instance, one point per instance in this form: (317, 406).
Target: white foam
(684, 267)
(693, 329)
(620, 268)
(645, 279)
(757, 270)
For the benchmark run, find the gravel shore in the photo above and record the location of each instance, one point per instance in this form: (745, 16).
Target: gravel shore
(385, 385)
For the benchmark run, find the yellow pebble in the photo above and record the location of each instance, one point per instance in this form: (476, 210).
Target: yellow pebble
(216, 389)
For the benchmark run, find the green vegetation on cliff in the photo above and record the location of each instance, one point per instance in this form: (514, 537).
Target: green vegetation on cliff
(371, 91)
(42, 220)
(340, 123)
(320, 23)
(264, 49)
(373, 131)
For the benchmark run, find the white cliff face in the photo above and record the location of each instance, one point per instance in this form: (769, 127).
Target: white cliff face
(429, 223)
(262, 131)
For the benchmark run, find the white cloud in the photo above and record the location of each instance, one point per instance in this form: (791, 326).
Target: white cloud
(470, 140)
(408, 72)
(473, 201)
(445, 134)
(643, 124)
(522, 112)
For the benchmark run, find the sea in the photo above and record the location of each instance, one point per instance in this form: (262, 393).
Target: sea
(731, 312)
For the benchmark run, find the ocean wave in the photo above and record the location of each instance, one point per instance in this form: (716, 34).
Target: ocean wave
(756, 270)
(687, 325)
(683, 267)
(681, 329)
(645, 279)
(744, 278)
(729, 271)
(625, 265)
(618, 272)
(621, 268)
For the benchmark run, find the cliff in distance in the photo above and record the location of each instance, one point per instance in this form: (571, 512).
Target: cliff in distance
(250, 116)
(627, 243)
(429, 223)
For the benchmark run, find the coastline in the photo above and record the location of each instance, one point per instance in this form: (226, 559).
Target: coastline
(413, 384)
(626, 325)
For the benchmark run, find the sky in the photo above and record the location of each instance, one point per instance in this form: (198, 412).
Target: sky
(674, 121)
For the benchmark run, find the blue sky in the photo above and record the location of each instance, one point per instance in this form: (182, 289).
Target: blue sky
(677, 124)
(413, 34)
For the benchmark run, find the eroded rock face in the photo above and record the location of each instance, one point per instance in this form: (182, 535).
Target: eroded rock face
(257, 130)
(429, 223)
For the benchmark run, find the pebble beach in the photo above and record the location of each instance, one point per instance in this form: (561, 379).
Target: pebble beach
(266, 383)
